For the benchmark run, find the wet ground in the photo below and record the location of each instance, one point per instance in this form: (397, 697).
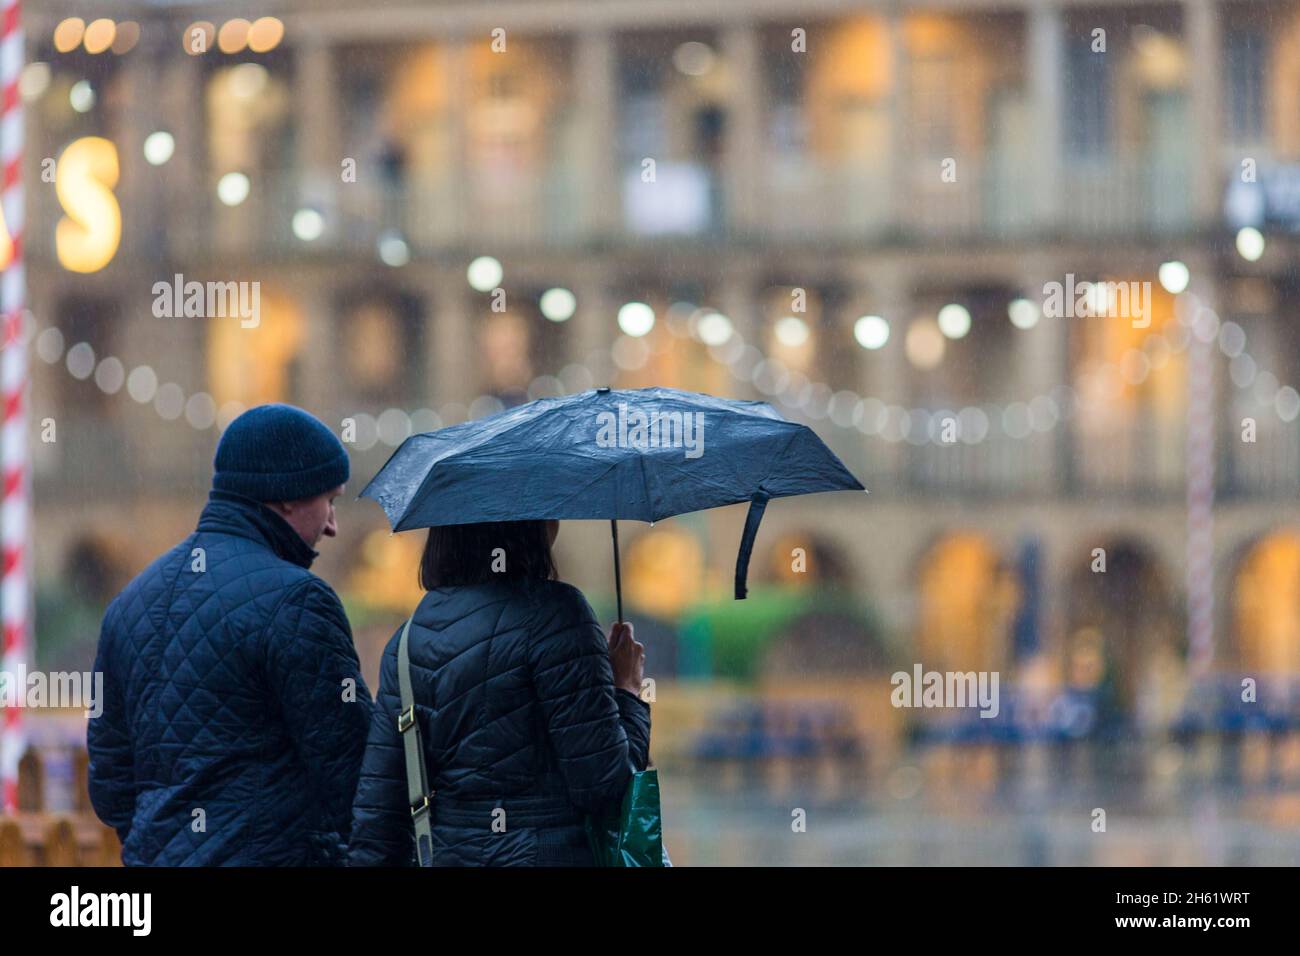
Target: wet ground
(1036, 814)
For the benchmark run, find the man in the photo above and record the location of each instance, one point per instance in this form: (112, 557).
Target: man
(235, 715)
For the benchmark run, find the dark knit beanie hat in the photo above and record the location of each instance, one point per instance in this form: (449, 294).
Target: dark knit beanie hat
(279, 453)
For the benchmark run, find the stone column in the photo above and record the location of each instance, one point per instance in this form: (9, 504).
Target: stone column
(142, 209)
(321, 362)
(1204, 49)
(884, 373)
(1041, 363)
(899, 179)
(595, 73)
(1046, 62)
(738, 301)
(744, 150)
(454, 217)
(316, 94)
(319, 174)
(452, 341)
(595, 323)
(189, 192)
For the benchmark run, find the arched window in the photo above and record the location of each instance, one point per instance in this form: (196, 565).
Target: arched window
(1266, 606)
(1122, 638)
(968, 601)
(380, 346)
(255, 365)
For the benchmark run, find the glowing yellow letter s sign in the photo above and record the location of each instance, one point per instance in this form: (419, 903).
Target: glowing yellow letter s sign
(86, 239)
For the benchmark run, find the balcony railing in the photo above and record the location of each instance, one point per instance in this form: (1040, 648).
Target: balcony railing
(1125, 196)
(982, 199)
(1144, 458)
(118, 455)
(1266, 467)
(804, 201)
(998, 465)
(1135, 459)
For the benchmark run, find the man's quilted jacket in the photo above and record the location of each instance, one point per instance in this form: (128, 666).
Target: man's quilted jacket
(524, 732)
(235, 714)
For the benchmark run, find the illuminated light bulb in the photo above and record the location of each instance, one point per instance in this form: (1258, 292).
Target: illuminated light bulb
(636, 318)
(68, 34)
(1174, 276)
(233, 188)
(871, 332)
(791, 331)
(558, 304)
(99, 35)
(159, 147)
(954, 321)
(265, 34)
(233, 35)
(484, 274)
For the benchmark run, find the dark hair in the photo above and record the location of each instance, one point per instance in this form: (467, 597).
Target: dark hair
(468, 554)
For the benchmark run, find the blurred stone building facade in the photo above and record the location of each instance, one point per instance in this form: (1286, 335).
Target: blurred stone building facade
(790, 174)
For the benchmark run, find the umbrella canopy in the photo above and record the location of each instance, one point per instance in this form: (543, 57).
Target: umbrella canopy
(645, 454)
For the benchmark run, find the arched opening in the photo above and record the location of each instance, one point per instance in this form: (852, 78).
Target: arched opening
(1266, 606)
(380, 344)
(831, 631)
(968, 599)
(254, 365)
(70, 605)
(664, 571)
(1122, 642)
(93, 571)
(1131, 387)
(808, 559)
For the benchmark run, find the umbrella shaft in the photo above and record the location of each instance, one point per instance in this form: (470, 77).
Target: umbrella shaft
(618, 577)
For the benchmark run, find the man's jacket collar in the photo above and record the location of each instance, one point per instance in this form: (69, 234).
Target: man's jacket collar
(230, 513)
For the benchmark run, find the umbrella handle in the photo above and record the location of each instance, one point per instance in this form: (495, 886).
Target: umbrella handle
(618, 577)
(757, 505)
(618, 593)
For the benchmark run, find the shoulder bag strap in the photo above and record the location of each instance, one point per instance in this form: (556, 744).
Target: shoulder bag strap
(417, 778)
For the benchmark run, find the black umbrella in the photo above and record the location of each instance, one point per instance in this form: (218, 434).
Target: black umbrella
(645, 455)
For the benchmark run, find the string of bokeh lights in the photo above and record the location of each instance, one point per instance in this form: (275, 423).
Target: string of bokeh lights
(875, 417)
(868, 415)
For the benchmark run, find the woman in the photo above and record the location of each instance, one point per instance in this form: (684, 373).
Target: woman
(531, 719)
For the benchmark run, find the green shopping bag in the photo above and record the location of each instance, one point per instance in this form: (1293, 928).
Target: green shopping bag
(632, 836)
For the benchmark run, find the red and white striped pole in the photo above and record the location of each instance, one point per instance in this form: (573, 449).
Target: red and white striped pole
(15, 511)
